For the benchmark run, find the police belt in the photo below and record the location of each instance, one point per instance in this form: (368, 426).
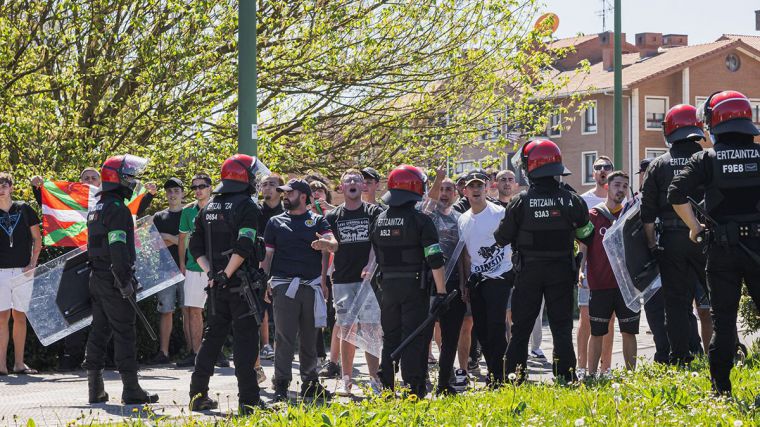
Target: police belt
(401, 275)
(673, 224)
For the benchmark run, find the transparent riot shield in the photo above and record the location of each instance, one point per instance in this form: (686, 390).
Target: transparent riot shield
(59, 304)
(363, 317)
(634, 267)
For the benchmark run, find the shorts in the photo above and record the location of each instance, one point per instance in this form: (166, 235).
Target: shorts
(583, 294)
(194, 289)
(170, 298)
(701, 298)
(345, 296)
(602, 304)
(14, 297)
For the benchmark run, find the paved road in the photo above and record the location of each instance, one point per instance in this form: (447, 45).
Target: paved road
(57, 399)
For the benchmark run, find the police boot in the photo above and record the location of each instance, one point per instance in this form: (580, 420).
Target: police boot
(95, 386)
(133, 394)
(247, 408)
(280, 391)
(201, 402)
(419, 390)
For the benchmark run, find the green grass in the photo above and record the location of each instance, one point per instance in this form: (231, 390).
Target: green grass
(653, 395)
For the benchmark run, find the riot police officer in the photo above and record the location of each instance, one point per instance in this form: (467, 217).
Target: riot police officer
(111, 252)
(730, 174)
(405, 242)
(542, 223)
(681, 261)
(229, 221)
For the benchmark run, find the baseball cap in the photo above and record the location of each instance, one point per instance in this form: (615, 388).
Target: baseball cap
(296, 184)
(476, 175)
(371, 173)
(644, 164)
(173, 182)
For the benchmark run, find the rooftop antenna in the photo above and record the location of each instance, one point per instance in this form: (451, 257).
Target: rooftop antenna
(606, 8)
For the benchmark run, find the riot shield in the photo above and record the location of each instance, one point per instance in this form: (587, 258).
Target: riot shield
(60, 305)
(362, 319)
(634, 267)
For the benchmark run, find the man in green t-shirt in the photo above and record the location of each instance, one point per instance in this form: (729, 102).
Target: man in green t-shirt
(195, 279)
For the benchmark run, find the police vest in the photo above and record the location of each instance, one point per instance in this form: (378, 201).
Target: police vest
(546, 229)
(97, 233)
(733, 194)
(219, 218)
(397, 234)
(668, 166)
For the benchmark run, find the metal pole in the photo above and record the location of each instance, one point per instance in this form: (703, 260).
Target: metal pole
(618, 110)
(247, 78)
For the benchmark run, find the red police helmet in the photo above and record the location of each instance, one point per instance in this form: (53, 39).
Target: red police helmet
(405, 184)
(681, 123)
(728, 111)
(120, 171)
(541, 158)
(239, 173)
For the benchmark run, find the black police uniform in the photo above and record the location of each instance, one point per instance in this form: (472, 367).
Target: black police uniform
(730, 173)
(681, 262)
(111, 251)
(405, 243)
(542, 224)
(233, 219)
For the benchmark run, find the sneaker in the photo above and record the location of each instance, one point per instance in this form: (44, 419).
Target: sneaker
(260, 375)
(431, 360)
(330, 370)
(581, 373)
(222, 361)
(375, 386)
(461, 380)
(445, 391)
(537, 354)
(267, 352)
(249, 408)
(187, 362)
(280, 393)
(473, 366)
(159, 359)
(203, 403)
(314, 390)
(344, 386)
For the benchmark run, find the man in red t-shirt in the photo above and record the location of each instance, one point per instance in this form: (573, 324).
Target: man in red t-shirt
(606, 298)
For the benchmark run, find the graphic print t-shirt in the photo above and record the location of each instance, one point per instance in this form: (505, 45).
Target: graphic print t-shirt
(477, 230)
(14, 228)
(351, 230)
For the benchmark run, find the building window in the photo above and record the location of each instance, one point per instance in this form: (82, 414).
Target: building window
(464, 166)
(651, 153)
(755, 110)
(655, 108)
(587, 167)
(589, 119)
(555, 122)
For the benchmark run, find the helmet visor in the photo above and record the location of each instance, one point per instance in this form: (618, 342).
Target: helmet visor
(259, 169)
(133, 165)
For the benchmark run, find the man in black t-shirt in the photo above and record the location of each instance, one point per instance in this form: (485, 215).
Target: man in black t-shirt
(294, 244)
(20, 244)
(271, 205)
(167, 223)
(350, 225)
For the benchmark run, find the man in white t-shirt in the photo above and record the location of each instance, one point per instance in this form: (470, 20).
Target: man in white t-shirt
(489, 267)
(603, 166)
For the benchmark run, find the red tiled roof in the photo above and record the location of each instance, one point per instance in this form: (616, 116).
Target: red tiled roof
(571, 41)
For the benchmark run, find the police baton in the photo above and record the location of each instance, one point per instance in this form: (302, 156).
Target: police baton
(396, 355)
(750, 253)
(138, 312)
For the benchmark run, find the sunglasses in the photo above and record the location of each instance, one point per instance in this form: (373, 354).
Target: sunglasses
(199, 187)
(607, 167)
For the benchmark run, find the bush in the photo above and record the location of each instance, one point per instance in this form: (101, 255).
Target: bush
(748, 313)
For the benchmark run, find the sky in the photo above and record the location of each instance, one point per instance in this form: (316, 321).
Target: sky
(702, 20)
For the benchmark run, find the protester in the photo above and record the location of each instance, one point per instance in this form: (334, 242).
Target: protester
(350, 224)
(271, 206)
(20, 245)
(490, 277)
(542, 224)
(606, 297)
(603, 166)
(167, 224)
(195, 280)
(294, 261)
(225, 231)
(372, 180)
(111, 252)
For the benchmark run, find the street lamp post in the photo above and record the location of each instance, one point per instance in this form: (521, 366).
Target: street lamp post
(247, 78)
(618, 109)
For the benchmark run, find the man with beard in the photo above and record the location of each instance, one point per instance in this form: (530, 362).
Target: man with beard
(271, 206)
(606, 297)
(602, 167)
(350, 225)
(294, 261)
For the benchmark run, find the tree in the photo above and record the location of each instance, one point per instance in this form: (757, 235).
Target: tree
(341, 82)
